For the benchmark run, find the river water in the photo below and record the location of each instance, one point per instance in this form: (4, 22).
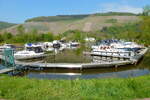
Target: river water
(142, 68)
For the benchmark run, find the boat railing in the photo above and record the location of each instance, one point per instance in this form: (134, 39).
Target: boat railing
(125, 53)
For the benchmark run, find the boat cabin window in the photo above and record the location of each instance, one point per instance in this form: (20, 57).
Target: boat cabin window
(12, 46)
(35, 49)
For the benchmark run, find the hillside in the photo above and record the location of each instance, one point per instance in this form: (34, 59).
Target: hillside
(62, 23)
(4, 25)
(75, 17)
(56, 18)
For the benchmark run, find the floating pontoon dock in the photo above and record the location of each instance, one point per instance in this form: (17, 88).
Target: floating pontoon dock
(6, 70)
(132, 60)
(74, 65)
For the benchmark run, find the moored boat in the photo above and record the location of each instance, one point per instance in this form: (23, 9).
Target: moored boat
(5, 46)
(116, 48)
(31, 51)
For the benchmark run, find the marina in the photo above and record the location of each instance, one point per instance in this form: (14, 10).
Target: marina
(125, 71)
(94, 59)
(75, 50)
(132, 60)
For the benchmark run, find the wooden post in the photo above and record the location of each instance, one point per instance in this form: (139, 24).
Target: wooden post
(116, 66)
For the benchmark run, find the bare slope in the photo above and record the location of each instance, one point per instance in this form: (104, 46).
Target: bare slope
(89, 23)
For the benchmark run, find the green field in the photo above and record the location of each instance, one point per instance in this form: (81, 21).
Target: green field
(14, 88)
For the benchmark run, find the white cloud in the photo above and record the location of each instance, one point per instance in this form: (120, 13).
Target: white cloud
(114, 7)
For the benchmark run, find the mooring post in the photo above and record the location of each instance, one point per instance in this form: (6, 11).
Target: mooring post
(45, 64)
(81, 68)
(116, 66)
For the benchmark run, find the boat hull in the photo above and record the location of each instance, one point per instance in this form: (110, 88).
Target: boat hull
(113, 54)
(28, 56)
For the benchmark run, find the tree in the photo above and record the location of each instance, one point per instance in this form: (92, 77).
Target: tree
(48, 37)
(1, 38)
(58, 37)
(145, 29)
(146, 11)
(34, 31)
(20, 29)
(7, 36)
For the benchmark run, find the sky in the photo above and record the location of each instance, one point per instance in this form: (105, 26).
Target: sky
(17, 11)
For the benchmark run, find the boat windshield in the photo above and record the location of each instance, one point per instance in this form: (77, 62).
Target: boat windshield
(10, 45)
(35, 49)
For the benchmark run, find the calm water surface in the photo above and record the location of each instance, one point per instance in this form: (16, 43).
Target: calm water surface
(142, 68)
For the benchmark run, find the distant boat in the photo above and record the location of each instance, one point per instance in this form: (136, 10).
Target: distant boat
(73, 45)
(31, 51)
(52, 46)
(48, 46)
(89, 39)
(56, 44)
(59, 45)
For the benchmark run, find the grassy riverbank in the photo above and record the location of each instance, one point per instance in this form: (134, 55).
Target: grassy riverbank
(13, 88)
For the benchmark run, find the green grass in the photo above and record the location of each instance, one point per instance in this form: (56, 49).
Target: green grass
(14, 88)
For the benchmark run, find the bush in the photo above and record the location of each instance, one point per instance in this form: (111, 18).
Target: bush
(111, 21)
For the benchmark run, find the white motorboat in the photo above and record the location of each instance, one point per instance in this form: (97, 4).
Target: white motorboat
(128, 46)
(56, 44)
(118, 44)
(48, 46)
(31, 51)
(116, 48)
(89, 39)
(59, 45)
(5, 46)
(73, 45)
(108, 51)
